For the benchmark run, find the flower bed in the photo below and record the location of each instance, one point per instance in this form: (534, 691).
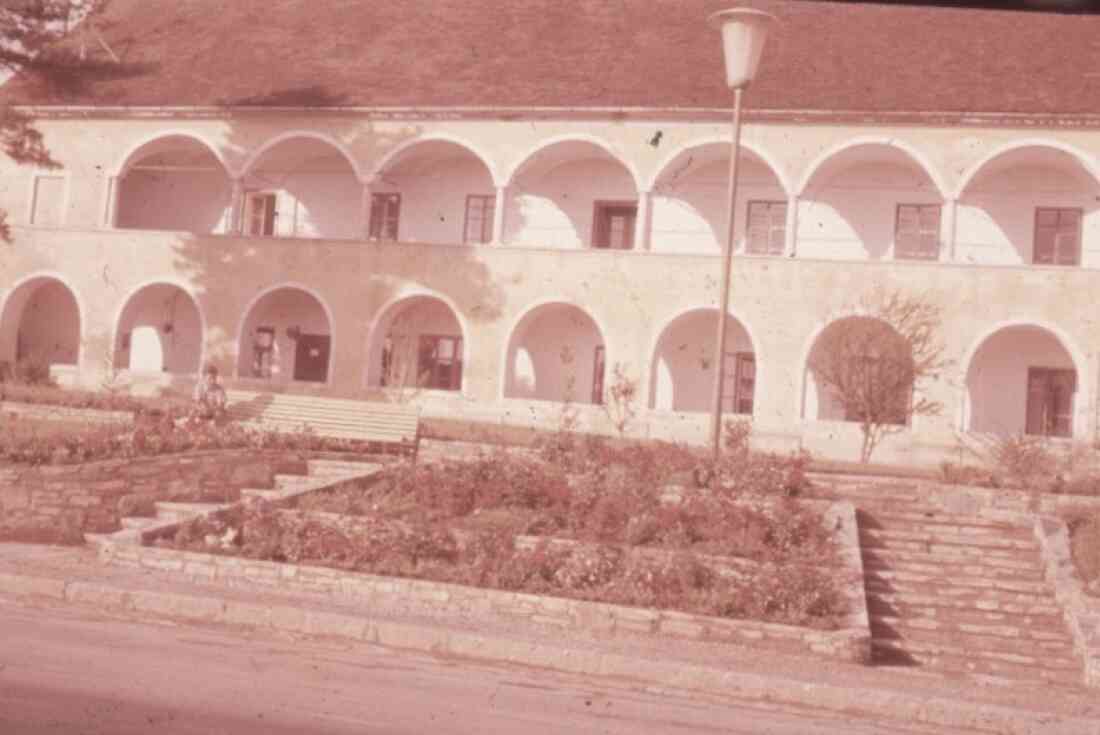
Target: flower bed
(607, 531)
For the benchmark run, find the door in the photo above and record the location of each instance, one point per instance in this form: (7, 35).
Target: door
(311, 357)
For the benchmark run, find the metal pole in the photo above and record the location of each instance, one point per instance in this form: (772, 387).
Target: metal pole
(727, 266)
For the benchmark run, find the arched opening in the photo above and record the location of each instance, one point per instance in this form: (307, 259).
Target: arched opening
(1021, 380)
(418, 343)
(691, 203)
(159, 331)
(1030, 204)
(39, 329)
(572, 194)
(870, 201)
(433, 191)
(556, 353)
(859, 368)
(684, 365)
(174, 183)
(286, 336)
(302, 187)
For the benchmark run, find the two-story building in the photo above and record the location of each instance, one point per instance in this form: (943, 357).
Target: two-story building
(503, 202)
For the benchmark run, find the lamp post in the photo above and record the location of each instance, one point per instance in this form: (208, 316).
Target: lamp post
(744, 32)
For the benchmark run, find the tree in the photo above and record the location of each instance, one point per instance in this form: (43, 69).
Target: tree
(47, 41)
(875, 364)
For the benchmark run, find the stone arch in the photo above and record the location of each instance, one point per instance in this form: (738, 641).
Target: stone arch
(41, 322)
(752, 148)
(555, 352)
(417, 341)
(1086, 161)
(1005, 364)
(545, 145)
(302, 184)
(683, 363)
(175, 180)
(160, 328)
(913, 153)
(446, 191)
(286, 335)
(402, 148)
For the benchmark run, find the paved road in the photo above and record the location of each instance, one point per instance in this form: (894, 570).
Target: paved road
(64, 671)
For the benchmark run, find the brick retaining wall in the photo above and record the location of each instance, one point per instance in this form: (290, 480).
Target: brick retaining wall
(65, 413)
(87, 494)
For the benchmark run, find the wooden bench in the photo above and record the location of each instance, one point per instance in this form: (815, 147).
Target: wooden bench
(396, 426)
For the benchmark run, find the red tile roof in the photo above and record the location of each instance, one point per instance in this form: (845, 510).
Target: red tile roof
(587, 53)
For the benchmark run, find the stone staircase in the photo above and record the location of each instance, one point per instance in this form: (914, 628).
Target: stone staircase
(321, 472)
(961, 595)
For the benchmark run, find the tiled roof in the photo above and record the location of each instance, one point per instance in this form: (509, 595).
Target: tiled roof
(586, 53)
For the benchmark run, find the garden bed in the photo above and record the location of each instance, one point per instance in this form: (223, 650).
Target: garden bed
(595, 524)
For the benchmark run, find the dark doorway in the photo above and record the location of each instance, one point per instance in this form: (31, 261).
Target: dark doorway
(311, 357)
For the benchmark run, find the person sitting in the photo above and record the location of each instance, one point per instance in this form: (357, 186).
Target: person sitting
(209, 396)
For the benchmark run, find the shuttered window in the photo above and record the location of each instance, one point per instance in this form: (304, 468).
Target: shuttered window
(1057, 236)
(385, 215)
(766, 232)
(917, 232)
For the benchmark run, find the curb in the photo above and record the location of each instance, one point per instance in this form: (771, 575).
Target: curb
(878, 703)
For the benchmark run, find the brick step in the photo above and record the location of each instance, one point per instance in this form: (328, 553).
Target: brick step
(138, 522)
(947, 551)
(945, 592)
(938, 523)
(294, 481)
(977, 609)
(872, 536)
(183, 511)
(338, 466)
(1013, 636)
(931, 564)
(955, 584)
(251, 492)
(1013, 559)
(930, 514)
(946, 658)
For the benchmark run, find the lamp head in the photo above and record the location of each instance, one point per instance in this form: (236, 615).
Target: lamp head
(744, 32)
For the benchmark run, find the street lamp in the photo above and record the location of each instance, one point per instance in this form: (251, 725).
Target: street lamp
(744, 32)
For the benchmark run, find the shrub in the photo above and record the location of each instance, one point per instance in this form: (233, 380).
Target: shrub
(1084, 528)
(141, 506)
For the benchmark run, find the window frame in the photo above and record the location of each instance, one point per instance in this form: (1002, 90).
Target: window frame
(248, 217)
(602, 211)
(919, 253)
(378, 228)
(1055, 260)
(488, 215)
(1050, 424)
(456, 362)
(782, 229)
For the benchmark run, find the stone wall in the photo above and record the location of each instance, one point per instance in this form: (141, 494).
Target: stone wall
(1081, 610)
(64, 413)
(87, 494)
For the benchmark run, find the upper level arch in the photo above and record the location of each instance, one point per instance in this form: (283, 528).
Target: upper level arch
(297, 134)
(873, 149)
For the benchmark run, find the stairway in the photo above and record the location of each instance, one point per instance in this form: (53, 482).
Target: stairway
(958, 595)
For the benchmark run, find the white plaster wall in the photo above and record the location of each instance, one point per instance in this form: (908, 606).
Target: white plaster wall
(433, 201)
(42, 318)
(174, 200)
(689, 212)
(536, 369)
(148, 312)
(996, 381)
(996, 215)
(554, 210)
(410, 319)
(851, 214)
(283, 308)
(684, 363)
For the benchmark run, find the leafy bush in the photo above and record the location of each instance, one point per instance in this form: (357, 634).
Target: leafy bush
(1084, 528)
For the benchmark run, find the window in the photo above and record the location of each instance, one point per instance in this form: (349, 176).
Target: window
(479, 218)
(48, 201)
(259, 213)
(598, 369)
(766, 233)
(385, 213)
(1057, 236)
(613, 225)
(1050, 401)
(439, 362)
(739, 382)
(917, 232)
